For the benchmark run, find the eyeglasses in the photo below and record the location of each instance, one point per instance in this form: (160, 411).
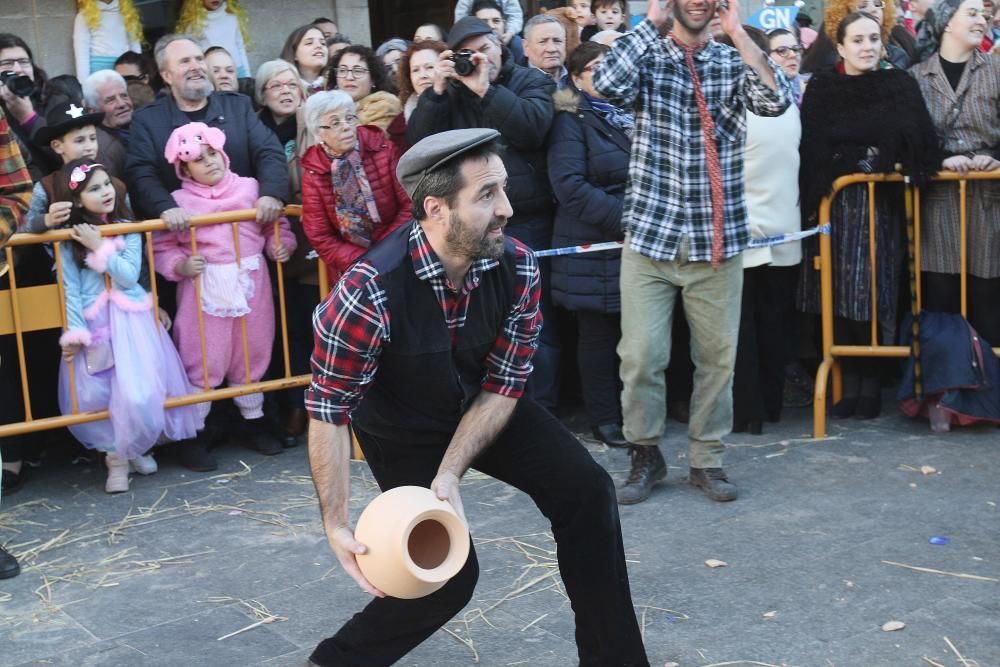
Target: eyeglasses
(786, 51)
(281, 85)
(350, 119)
(877, 4)
(355, 72)
(129, 78)
(8, 64)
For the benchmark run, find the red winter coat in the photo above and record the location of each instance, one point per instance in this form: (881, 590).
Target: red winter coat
(379, 157)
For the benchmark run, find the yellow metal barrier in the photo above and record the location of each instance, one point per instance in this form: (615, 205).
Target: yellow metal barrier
(36, 308)
(829, 369)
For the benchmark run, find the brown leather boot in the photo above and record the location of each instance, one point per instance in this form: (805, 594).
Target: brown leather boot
(648, 468)
(714, 483)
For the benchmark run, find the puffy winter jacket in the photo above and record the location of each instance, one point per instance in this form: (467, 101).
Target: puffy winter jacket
(252, 148)
(518, 105)
(379, 156)
(588, 161)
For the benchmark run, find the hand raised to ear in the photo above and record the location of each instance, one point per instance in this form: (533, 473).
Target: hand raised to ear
(658, 14)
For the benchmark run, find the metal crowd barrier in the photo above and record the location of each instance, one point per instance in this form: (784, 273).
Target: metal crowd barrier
(830, 369)
(28, 309)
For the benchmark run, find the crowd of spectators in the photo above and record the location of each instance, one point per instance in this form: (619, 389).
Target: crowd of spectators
(589, 158)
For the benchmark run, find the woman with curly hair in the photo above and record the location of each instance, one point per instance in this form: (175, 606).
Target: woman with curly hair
(102, 31)
(357, 71)
(416, 72)
(218, 23)
(898, 44)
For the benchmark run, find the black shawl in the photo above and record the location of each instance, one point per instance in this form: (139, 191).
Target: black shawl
(842, 116)
(286, 130)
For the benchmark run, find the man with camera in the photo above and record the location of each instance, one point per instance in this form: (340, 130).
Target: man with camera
(477, 85)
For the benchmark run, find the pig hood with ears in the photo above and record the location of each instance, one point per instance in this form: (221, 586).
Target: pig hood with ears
(186, 141)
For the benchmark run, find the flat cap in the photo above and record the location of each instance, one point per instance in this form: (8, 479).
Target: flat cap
(469, 26)
(432, 152)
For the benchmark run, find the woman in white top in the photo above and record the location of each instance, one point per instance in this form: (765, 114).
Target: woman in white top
(102, 31)
(218, 23)
(769, 273)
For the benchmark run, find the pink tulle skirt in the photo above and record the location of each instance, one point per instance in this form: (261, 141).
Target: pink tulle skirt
(146, 371)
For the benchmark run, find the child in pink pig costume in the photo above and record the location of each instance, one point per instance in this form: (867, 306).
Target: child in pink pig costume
(228, 291)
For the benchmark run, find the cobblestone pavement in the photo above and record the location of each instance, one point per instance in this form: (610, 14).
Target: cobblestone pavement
(821, 550)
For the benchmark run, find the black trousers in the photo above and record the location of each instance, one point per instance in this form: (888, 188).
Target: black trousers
(42, 355)
(537, 455)
(943, 293)
(301, 300)
(597, 361)
(543, 385)
(768, 312)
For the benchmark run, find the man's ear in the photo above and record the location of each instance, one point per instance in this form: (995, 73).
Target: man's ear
(434, 208)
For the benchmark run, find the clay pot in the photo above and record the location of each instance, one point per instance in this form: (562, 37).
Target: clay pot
(416, 543)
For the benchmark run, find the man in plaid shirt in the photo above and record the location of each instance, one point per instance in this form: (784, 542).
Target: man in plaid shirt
(686, 222)
(15, 193)
(424, 347)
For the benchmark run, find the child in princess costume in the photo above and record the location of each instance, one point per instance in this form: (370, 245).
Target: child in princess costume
(218, 23)
(102, 31)
(229, 290)
(122, 359)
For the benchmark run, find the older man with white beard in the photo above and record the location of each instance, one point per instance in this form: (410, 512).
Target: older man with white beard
(252, 148)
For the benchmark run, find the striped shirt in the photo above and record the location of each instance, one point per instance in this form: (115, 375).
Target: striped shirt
(669, 194)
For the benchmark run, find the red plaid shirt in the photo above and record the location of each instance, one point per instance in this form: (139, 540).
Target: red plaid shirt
(353, 323)
(15, 183)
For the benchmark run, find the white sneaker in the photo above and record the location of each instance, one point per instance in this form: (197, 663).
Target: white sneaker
(144, 465)
(117, 474)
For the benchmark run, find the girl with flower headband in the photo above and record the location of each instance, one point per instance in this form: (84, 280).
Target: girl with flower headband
(229, 289)
(102, 31)
(218, 23)
(121, 357)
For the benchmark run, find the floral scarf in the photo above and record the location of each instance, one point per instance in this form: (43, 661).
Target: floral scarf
(357, 214)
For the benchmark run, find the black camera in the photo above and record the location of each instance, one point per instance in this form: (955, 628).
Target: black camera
(463, 62)
(19, 84)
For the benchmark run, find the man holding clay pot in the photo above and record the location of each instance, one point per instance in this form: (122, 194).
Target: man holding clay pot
(424, 347)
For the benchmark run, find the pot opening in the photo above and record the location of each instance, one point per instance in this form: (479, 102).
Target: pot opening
(428, 544)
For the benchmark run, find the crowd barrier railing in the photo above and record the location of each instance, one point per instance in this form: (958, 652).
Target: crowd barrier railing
(829, 371)
(28, 309)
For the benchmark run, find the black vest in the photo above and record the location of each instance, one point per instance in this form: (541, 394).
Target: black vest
(424, 383)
